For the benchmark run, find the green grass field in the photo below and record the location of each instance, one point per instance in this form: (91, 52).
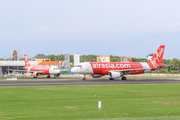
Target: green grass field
(73, 101)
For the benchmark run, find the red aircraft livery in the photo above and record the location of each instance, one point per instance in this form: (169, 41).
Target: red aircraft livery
(40, 70)
(120, 69)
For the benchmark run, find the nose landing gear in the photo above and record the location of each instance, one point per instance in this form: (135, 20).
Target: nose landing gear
(111, 78)
(84, 77)
(56, 75)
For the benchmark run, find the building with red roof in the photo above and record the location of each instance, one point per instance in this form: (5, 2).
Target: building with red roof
(49, 63)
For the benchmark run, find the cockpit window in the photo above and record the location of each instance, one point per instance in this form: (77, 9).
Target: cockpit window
(56, 69)
(78, 66)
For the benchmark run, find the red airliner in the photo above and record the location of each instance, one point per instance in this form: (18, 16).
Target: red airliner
(120, 69)
(40, 70)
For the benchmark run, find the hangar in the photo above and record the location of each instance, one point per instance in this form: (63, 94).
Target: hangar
(6, 65)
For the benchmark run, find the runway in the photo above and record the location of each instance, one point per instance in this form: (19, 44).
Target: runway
(87, 82)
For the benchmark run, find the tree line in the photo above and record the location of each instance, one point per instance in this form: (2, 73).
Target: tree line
(86, 58)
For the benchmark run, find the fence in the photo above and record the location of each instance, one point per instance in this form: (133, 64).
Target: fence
(64, 71)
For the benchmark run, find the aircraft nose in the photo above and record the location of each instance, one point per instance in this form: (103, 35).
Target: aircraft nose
(73, 70)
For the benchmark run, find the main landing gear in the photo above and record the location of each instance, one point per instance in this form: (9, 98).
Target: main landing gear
(48, 76)
(123, 78)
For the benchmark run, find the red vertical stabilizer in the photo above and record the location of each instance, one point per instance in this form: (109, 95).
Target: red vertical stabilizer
(157, 57)
(27, 64)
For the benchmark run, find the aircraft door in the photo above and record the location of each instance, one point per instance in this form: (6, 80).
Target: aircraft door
(88, 68)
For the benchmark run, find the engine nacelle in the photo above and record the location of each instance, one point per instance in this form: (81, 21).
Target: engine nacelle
(96, 76)
(35, 74)
(115, 74)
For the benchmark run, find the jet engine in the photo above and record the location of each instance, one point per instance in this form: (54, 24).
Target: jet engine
(35, 74)
(115, 74)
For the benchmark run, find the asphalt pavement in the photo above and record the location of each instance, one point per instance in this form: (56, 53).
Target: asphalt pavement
(79, 81)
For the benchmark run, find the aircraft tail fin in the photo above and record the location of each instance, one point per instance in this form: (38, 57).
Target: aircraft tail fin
(157, 57)
(27, 64)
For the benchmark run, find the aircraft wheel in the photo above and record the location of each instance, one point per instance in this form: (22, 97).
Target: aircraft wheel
(111, 78)
(48, 76)
(84, 79)
(123, 78)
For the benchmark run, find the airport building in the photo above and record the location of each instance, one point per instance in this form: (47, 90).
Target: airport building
(18, 65)
(76, 59)
(50, 63)
(149, 56)
(40, 58)
(126, 59)
(103, 59)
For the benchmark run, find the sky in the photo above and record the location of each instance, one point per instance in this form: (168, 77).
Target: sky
(133, 28)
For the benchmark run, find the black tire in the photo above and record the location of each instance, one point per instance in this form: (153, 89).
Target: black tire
(84, 79)
(111, 78)
(123, 78)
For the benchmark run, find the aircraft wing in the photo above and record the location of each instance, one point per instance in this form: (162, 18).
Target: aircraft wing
(25, 71)
(128, 70)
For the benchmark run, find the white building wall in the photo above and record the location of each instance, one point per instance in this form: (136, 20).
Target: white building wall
(67, 61)
(17, 63)
(76, 59)
(149, 57)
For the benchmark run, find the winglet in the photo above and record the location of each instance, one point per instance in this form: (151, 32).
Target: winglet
(157, 57)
